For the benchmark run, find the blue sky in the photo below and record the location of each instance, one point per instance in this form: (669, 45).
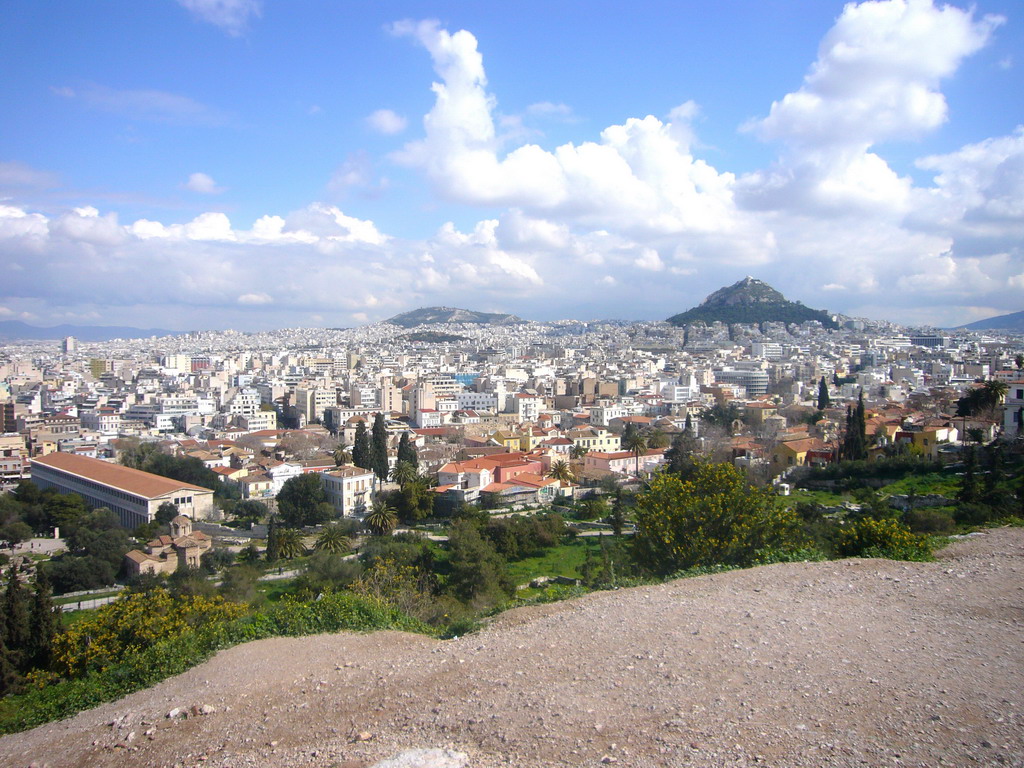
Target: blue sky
(262, 163)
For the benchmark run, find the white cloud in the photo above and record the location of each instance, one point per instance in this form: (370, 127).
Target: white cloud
(632, 222)
(14, 174)
(877, 74)
(203, 184)
(146, 104)
(876, 79)
(255, 299)
(230, 15)
(387, 122)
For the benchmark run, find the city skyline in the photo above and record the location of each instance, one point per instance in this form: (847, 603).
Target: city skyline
(255, 164)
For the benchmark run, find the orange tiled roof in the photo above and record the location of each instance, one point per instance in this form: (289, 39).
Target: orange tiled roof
(133, 481)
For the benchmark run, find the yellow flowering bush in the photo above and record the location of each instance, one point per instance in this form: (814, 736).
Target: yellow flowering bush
(889, 538)
(133, 623)
(714, 518)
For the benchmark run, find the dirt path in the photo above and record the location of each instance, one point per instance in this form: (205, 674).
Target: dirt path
(850, 663)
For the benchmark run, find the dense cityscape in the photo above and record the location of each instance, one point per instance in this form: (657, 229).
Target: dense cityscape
(380, 387)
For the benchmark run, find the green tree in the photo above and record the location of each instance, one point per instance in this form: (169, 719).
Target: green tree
(342, 454)
(8, 672)
(561, 471)
(404, 473)
(636, 443)
(407, 451)
(657, 439)
(679, 457)
(379, 448)
(713, 518)
(166, 512)
(15, 533)
(16, 630)
(855, 442)
(273, 553)
(361, 454)
(617, 519)
(415, 500)
(1018, 361)
(721, 415)
(969, 492)
(333, 540)
(251, 510)
(44, 623)
(289, 543)
(823, 397)
(300, 500)
(478, 573)
(382, 518)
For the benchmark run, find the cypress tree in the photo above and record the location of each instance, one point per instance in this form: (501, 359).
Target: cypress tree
(379, 448)
(688, 426)
(823, 398)
(273, 544)
(15, 613)
(968, 492)
(407, 451)
(43, 623)
(361, 448)
(8, 674)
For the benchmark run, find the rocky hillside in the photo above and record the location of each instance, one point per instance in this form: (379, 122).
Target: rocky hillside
(441, 315)
(848, 663)
(750, 301)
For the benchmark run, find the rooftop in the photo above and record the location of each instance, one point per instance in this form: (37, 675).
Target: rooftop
(133, 481)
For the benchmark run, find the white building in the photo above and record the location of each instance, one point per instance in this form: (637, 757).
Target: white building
(349, 490)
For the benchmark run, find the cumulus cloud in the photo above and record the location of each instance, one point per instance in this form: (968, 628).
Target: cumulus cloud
(877, 74)
(632, 222)
(641, 177)
(387, 122)
(203, 184)
(230, 15)
(876, 78)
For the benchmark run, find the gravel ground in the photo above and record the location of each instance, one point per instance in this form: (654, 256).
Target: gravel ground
(848, 663)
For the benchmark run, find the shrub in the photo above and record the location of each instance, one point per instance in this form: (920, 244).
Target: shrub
(882, 538)
(136, 621)
(713, 518)
(930, 521)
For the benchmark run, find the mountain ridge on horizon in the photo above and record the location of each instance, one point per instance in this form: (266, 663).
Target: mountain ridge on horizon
(14, 330)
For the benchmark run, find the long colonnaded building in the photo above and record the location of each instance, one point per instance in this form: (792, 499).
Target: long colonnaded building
(133, 495)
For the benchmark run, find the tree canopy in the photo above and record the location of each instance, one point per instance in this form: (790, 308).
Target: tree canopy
(713, 518)
(303, 501)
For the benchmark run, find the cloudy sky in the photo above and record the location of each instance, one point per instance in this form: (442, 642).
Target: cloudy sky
(267, 163)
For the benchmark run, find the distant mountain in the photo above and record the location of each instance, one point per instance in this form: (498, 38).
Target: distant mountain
(440, 315)
(15, 329)
(1011, 322)
(750, 301)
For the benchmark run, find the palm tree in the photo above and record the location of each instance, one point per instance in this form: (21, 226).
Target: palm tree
(636, 443)
(342, 454)
(561, 471)
(289, 543)
(382, 518)
(577, 452)
(657, 439)
(995, 392)
(403, 473)
(332, 539)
